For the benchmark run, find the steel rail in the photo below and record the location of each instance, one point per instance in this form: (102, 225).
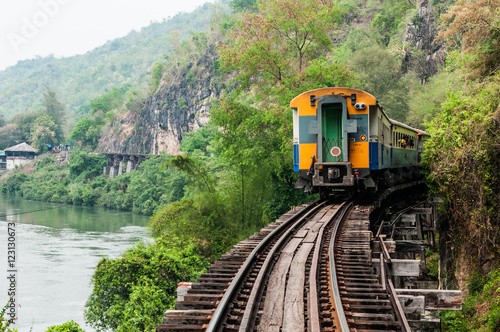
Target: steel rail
(220, 311)
(344, 327)
(397, 307)
(314, 312)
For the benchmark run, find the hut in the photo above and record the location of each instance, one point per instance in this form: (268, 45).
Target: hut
(19, 154)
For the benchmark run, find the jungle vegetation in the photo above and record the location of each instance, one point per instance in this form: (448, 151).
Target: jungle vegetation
(233, 180)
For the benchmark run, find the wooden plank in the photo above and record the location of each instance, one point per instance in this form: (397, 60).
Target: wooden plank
(313, 233)
(301, 233)
(409, 246)
(406, 231)
(436, 299)
(293, 318)
(400, 267)
(390, 246)
(419, 211)
(272, 316)
(328, 215)
(412, 304)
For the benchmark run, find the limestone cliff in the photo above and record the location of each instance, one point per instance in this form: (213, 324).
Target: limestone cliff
(180, 105)
(428, 53)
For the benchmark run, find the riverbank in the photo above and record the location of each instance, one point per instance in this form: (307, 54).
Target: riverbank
(79, 181)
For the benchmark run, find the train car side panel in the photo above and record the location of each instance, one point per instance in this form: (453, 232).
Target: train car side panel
(359, 154)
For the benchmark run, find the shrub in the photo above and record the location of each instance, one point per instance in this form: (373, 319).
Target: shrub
(69, 326)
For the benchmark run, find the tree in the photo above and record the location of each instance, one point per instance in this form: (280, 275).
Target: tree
(108, 101)
(88, 132)
(243, 5)
(474, 27)
(55, 109)
(70, 326)
(43, 133)
(145, 276)
(380, 74)
(10, 135)
(25, 122)
(275, 45)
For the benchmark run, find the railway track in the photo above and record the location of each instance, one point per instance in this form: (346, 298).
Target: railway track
(311, 270)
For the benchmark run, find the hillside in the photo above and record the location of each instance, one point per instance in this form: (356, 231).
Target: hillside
(77, 79)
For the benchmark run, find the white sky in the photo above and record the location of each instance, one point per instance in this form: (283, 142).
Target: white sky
(67, 27)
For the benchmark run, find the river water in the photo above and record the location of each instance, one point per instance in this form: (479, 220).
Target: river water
(57, 250)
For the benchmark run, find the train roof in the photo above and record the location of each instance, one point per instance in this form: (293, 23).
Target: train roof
(401, 124)
(333, 91)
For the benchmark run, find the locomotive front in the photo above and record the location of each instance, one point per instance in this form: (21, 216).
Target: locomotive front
(330, 137)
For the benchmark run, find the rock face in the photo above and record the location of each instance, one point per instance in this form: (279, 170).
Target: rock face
(180, 105)
(429, 54)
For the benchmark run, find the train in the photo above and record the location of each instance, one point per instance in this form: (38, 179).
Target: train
(344, 141)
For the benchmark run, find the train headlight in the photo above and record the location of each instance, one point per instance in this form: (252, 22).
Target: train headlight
(360, 106)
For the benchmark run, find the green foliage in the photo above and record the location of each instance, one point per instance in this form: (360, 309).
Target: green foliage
(243, 5)
(157, 74)
(133, 291)
(481, 310)
(43, 133)
(473, 27)
(463, 162)
(425, 100)
(199, 141)
(432, 262)
(109, 101)
(86, 165)
(156, 185)
(24, 123)
(272, 48)
(13, 183)
(87, 131)
(388, 20)
(69, 326)
(10, 135)
(81, 183)
(55, 110)
(145, 308)
(4, 321)
(388, 87)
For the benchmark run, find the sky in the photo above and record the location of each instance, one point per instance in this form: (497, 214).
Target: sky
(30, 28)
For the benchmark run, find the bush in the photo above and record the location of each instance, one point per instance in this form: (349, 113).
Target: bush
(4, 321)
(13, 183)
(481, 310)
(145, 308)
(69, 326)
(147, 272)
(86, 165)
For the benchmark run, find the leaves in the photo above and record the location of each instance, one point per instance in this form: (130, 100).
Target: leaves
(131, 293)
(44, 133)
(474, 27)
(279, 41)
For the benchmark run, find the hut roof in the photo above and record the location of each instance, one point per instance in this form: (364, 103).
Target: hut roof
(23, 147)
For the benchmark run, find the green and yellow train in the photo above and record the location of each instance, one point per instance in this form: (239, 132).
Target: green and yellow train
(343, 139)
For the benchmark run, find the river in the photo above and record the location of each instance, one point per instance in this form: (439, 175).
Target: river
(57, 250)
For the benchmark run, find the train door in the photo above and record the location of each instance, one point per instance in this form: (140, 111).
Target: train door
(332, 129)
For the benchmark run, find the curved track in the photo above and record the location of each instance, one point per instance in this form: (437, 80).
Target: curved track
(309, 271)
